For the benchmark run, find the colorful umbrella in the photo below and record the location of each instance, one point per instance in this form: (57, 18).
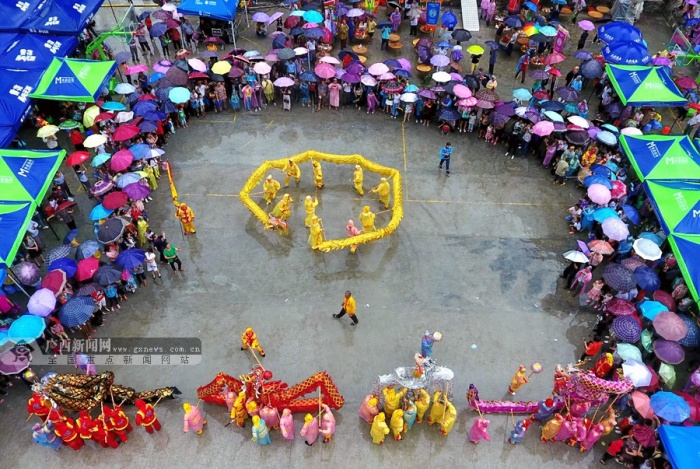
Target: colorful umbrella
(668, 373)
(15, 360)
(475, 49)
(179, 95)
(596, 192)
(76, 311)
(634, 370)
(27, 273)
(626, 53)
(99, 212)
(620, 278)
(88, 289)
(87, 268)
(554, 58)
(26, 329)
(627, 329)
(121, 160)
(669, 406)
(543, 128)
(620, 307)
(647, 279)
(586, 25)
(101, 187)
(438, 60)
(670, 326)
(615, 31)
(616, 229)
(94, 140)
(54, 281)
(668, 351)
(664, 298)
(42, 303)
(65, 264)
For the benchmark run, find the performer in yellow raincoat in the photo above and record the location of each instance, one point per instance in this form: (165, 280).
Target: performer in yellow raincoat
(310, 208)
(518, 380)
(238, 411)
(392, 399)
(250, 339)
(318, 174)
(448, 420)
(292, 171)
(367, 220)
(270, 187)
(379, 429)
(422, 401)
(316, 232)
(357, 177)
(151, 177)
(384, 190)
(186, 216)
(437, 411)
(283, 209)
(396, 424)
(141, 227)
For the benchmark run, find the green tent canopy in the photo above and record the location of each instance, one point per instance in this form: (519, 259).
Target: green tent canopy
(74, 80)
(25, 175)
(14, 220)
(665, 157)
(677, 205)
(644, 86)
(686, 248)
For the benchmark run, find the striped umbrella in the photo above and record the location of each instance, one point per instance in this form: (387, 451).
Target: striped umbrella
(627, 329)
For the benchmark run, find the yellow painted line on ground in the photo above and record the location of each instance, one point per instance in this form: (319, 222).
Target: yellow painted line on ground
(403, 138)
(216, 121)
(249, 40)
(270, 123)
(235, 116)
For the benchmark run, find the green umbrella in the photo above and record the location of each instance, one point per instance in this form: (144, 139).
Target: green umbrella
(668, 373)
(68, 124)
(647, 340)
(629, 352)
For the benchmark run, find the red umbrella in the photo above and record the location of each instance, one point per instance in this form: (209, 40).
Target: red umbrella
(195, 75)
(54, 281)
(645, 435)
(65, 205)
(665, 299)
(654, 384)
(125, 132)
(146, 97)
(77, 158)
(103, 116)
(121, 160)
(686, 83)
(540, 94)
(291, 22)
(114, 200)
(87, 268)
(555, 72)
(620, 307)
(693, 403)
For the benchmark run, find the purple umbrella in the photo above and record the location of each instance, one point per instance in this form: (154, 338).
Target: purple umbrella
(668, 351)
(162, 15)
(427, 94)
(27, 273)
(577, 138)
(583, 55)
(439, 60)
(532, 116)
(498, 119)
(121, 57)
(627, 329)
(176, 76)
(15, 360)
(42, 302)
(148, 126)
(102, 187)
(692, 336)
(619, 277)
(87, 290)
(136, 191)
(567, 93)
(351, 78)
(616, 229)
(614, 109)
(355, 67)
(505, 109)
(592, 69)
(539, 74)
(559, 127)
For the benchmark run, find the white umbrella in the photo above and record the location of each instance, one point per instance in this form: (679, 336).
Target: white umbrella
(637, 372)
(262, 68)
(409, 97)
(124, 88)
(576, 256)
(301, 51)
(171, 7)
(441, 77)
(124, 116)
(578, 121)
(329, 60)
(647, 249)
(94, 141)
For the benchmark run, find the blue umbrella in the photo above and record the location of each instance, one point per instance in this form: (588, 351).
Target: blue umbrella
(121, 57)
(154, 115)
(448, 114)
(669, 406)
(692, 337)
(126, 179)
(411, 88)
(99, 212)
(140, 150)
(449, 19)
(100, 159)
(313, 17)
(651, 237)
(314, 33)
(626, 53)
(26, 329)
(600, 169)
(647, 279)
(162, 93)
(530, 6)
(548, 31)
(142, 107)
(167, 106)
(107, 274)
(583, 55)
(158, 29)
(4, 338)
(440, 44)
(492, 44)
(144, 15)
(72, 234)
(650, 309)
(521, 94)
(155, 76)
(592, 69)
(179, 95)
(309, 76)
(631, 213)
(611, 128)
(76, 311)
(131, 258)
(514, 22)
(602, 214)
(148, 126)
(113, 106)
(87, 249)
(559, 2)
(571, 108)
(67, 265)
(402, 73)
(606, 137)
(551, 106)
(619, 31)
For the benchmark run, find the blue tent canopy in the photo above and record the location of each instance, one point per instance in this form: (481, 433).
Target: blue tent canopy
(7, 134)
(218, 9)
(32, 169)
(62, 17)
(15, 14)
(15, 87)
(14, 220)
(686, 248)
(644, 86)
(682, 445)
(664, 157)
(33, 51)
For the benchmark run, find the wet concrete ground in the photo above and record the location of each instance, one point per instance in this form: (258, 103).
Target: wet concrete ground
(476, 257)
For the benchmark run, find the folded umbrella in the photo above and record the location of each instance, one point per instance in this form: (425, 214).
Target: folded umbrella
(42, 303)
(65, 264)
(620, 307)
(620, 278)
(26, 329)
(669, 406)
(627, 329)
(670, 326)
(76, 311)
(110, 230)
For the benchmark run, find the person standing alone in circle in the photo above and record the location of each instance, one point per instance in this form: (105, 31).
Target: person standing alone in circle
(445, 154)
(348, 306)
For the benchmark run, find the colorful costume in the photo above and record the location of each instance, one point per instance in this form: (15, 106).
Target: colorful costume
(318, 174)
(609, 422)
(551, 428)
(310, 429)
(141, 227)
(287, 425)
(120, 422)
(87, 428)
(518, 380)
(229, 397)
(310, 208)
(270, 188)
(479, 430)
(251, 407)
(396, 424)
(292, 171)
(580, 431)
(392, 399)
(367, 220)
(283, 209)
(45, 436)
(315, 233)
(146, 416)
(567, 430)
(409, 415)
(545, 409)
(186, 217)
(250, 340)
(352, 231)
(426, 344)
(39, 406)
(437, 411)
(357, 179)
(368, 408)
(384, 191)
(238, 411)
(379, 429)
(603, 366)
(55, 415)
(422, 402)
(518, 432)
(270, 416)
(66, 430)
(327, 424)
(260, 432)
(449, 418)
(561, 378)
(592, 437)
(193, 419)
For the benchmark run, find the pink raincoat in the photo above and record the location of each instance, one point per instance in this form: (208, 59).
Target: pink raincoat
(193, 421)
(479, 430)
(310, 431)
(270, 416)
(287, 425)
(368, 412)
(327, 423)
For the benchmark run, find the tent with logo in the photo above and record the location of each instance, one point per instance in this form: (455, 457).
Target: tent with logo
(15, 87)
(666, 157)
(224, 10)
(33, 51)
(7, 135)
(74, 80)
(682, 445)
(686, 248)
(25, 175)
(62, 17)
(15, 13)
(677, 204)
(14, 220)
(644, 86)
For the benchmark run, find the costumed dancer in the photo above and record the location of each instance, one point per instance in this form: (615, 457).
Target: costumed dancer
(146, 416)
(186, 216)
(327, 424)
(283, 209)
(561, 378)
(479, 430)
(238, 411)
(66, 430)
(287, 425)
(271, 417)
(315, 233)
(38, 405)
(409, 414)
(384, 191)
(368, 408)
(551, 428)
(270, 188)
(229, 397)
(379, 429)
(87, 427)
(422, 401)
(120, 423)
(449, 419)
(567, 430)
(55, 414)
(579, 409)
(193, 419)
(45, 436)
(310, 429)
(581, 431)
(519, 431)
(396, 424)
(318, 174)
(352, 231)
(292, 171)
(518, 380)
(310, 208)
(251, 407)
(392, 399)
(437, 411)
(592, 437)
(545, 409)
(426, 344)
(367, 220)
(250, 340)
(609, 422)
(358, 177)
(261, 434)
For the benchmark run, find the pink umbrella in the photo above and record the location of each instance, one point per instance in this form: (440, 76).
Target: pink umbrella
(641, 403)
(275, 16)
(619, 190)
(121, 160)
(670, 326)
(136, 69)
(554, 58)
(543, 128)
(309, 26)
(271, 57)
(325, 70)
(42, 302)
(599, 194)
(197, 65)
(386, 76)
(162, 66)
(485, 104)
(620, 307)
(368, 80)
(438, 60)
(329, 60)
(586, 25)
(378, 69)
(327, 36)
(456, 77)
(405, 64)
(468, 102)
(461, 91)
(125, 132)
(616, 229)
(262, 68)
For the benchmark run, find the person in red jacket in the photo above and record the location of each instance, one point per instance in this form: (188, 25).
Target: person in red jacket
(119, 421)
(39, 406)
(67, 431)
(146, 416)
(90, 429)
(77, 139)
